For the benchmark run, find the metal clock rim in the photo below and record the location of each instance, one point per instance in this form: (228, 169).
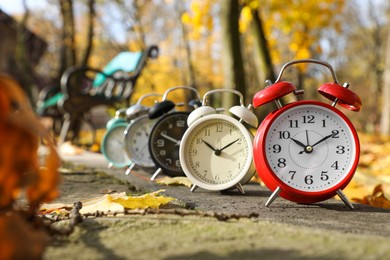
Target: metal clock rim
(216, 187)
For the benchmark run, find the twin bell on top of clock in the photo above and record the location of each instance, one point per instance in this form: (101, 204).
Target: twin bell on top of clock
(307, 151)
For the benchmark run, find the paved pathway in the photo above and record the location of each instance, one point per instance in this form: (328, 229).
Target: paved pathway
(331, 214)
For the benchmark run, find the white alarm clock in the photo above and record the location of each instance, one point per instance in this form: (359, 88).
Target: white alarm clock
(136, 135)
(216, 151)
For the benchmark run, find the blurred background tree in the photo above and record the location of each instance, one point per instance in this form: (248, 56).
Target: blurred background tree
(213, 44)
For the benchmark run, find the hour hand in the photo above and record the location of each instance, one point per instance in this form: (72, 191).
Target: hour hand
(216, 151)
(298, 142)
(209, 145)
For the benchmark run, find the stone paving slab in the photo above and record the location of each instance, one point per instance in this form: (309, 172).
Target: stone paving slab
(327, 230)
(329, 215)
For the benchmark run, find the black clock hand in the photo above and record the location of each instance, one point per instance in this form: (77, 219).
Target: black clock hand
(226, 146)
(177, 142)
(145, 130)
(323, 139)
(216, 151)
(298, 143)
(309, 148)
(209, 145)
(307, 137)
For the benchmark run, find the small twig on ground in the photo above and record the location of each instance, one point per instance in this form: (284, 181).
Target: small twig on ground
(179, 212)
(74, 216)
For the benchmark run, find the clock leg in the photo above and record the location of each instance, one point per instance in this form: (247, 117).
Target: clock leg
(240, 188)
(193, 188)
(130, 168)
(110, 165)
(273, 196)
(156, 173)
(344, 199)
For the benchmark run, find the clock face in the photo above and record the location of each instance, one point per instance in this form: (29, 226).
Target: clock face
(216, 152)
(136, 141)
(113, 146)
(165, 141)
(311, 147)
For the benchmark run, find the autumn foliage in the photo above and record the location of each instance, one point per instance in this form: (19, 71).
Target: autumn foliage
(21, 173)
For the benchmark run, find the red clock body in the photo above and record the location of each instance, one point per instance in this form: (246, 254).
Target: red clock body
(308, 149)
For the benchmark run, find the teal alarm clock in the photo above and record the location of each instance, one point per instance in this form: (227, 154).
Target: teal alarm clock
(112, 146)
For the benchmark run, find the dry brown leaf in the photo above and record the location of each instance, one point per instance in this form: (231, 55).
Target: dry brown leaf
(20, 131)
(19, 240)
(377, 198)
(107, 191)
(386, 190)
(58, 208)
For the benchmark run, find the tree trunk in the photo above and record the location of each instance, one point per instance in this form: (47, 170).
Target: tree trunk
(24, 72)
(385, 117)
(232, 58)
(190, 67)
(262, 49)
(68, 50)
(138, 21)
(90, 33)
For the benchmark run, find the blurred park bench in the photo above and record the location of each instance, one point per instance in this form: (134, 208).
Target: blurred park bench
(84, 88)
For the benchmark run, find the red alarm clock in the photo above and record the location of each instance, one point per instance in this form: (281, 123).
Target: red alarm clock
(307, 151)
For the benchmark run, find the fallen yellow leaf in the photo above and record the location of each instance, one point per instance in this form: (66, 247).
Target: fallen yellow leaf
(118, 202)
(151, 200)
(104, 204)
(175, 181)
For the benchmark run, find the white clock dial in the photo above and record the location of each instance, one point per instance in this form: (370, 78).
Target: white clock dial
(310, 148)
(136, 141)
(113, 146)
(217, 152)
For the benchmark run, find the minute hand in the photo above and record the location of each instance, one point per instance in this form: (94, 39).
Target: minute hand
(226, 146)
(323, 139)
(177, 142)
